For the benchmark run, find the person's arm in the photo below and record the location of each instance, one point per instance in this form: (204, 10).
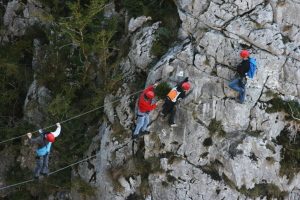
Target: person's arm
(49, 147)
(186, 79)
(148, 107)
(33, 140)
(57, 131)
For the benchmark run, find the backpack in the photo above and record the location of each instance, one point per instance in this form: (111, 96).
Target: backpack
(173, 94)
(252, 69)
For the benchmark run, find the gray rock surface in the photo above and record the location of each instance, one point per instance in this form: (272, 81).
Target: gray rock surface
(196, 162)
(36, 103)
(136, 23)
(19, 16)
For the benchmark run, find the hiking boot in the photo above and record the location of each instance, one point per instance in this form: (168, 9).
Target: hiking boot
(135, 136)
(145, 132)
(174, 125)
(44, 174)
(238, 100)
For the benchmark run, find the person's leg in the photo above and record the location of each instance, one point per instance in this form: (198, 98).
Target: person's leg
(139, 123)
(38, 166)
(146, 122)
(45, 169)
(242, 94)
(235, 85)
(239, 87)
(172, 114)
(166, 107)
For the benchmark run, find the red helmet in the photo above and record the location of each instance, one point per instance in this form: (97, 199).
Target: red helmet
(244, 54)
(150, 95)
(50, 137)
(186, 86)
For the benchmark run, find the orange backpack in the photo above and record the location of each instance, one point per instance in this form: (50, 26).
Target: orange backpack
(173, 94)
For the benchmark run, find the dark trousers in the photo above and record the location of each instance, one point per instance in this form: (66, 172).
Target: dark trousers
(169, 109)
(41, 165)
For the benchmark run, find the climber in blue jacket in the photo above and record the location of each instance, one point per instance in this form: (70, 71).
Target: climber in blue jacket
(239, 84)
(44, 142)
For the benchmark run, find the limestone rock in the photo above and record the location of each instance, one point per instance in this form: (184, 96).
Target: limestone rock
(140, 53)
(220, 147)
(19, 16)
(136, 23)
(36, 103)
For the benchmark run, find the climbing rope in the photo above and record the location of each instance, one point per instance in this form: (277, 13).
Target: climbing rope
(63, 168)
(64, 121)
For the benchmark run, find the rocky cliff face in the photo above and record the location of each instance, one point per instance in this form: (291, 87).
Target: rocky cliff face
(221, 149)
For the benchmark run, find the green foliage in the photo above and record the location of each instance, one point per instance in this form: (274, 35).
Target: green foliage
(15, 77)
(72, 51)
(268, 190)
(24, 195)
(12, 78)
(60, 105)
(16, 173)
(9, 130)
(290, 154)
(164, 38)
(134, 7)
(77, 66)
(292, 108)
(215, 127)
(162, 90)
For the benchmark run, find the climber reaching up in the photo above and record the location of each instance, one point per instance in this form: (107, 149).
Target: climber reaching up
(245, 70)
(145, 105)
(175, 96)
(44, 142)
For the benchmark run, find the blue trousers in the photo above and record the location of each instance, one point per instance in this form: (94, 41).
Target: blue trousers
(238, 86)
(142, 122)
(41, 165)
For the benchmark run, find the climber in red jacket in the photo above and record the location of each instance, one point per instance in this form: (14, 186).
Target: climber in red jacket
(145, 106)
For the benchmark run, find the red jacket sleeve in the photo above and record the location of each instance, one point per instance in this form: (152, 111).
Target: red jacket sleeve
(145, 106)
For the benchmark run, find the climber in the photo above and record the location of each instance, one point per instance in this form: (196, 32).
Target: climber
(175, 96)
(240, 82)
(145, 105)
(44, 142)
